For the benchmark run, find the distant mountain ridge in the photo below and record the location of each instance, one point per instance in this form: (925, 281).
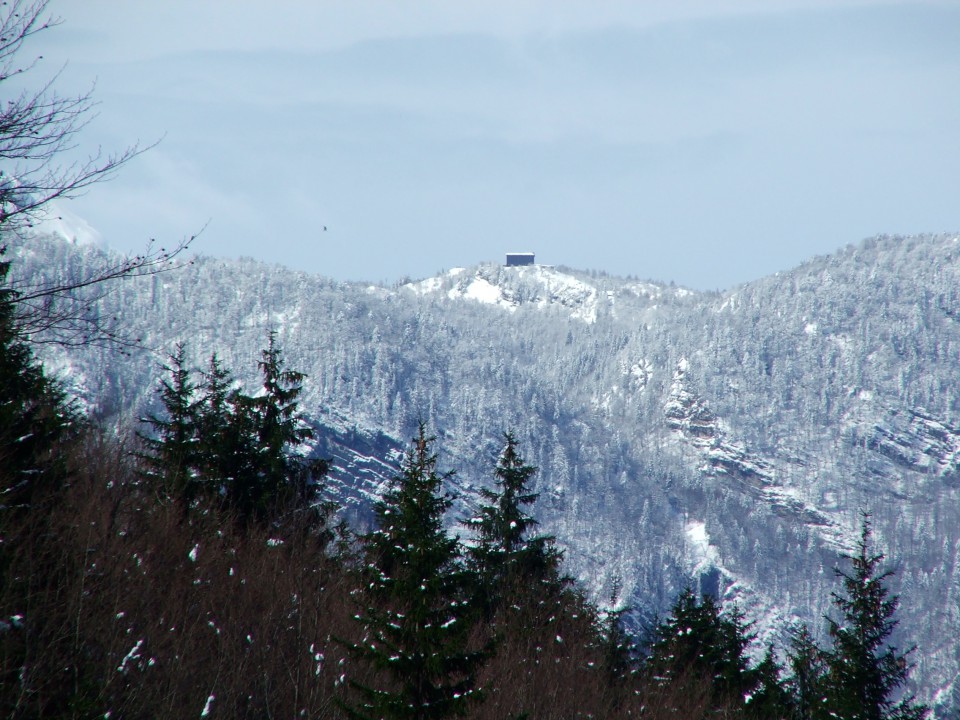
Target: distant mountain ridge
(727, 439)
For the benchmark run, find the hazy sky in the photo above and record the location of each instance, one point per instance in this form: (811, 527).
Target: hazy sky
(708, 143)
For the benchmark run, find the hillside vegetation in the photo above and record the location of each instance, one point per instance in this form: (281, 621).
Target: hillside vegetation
(198, 571)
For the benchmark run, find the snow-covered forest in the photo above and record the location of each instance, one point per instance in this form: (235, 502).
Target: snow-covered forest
(229, 488)
(727, 441)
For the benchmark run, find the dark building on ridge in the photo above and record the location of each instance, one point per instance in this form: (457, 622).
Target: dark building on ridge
(525, 258)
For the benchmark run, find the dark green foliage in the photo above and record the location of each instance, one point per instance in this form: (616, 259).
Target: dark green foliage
(36, 428)
(233, 447)
(173, 448)
(550, 641)
(864, 672)
(697, 640)
(770, 699)
(278, 476)
(34, 415)
(617, 644)
(504, 554)
(806, 682)
(417, 621)
(223, 449)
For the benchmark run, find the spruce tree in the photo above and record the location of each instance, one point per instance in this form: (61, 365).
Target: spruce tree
(229, 452)
(416, 620)
(770, 698)
(617, 644)
(171, 457)
(34, 413)
(806, 682)
(865, 672)
(37, 428)
(697, 641)
(216, 454)
(217, 441)
(284, 474)
(264, 473)
(505, 554)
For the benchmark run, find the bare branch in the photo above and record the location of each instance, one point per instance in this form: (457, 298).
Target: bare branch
(66, 310)
(36, 128)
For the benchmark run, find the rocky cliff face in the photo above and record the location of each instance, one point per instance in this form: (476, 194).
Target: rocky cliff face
(726, 439)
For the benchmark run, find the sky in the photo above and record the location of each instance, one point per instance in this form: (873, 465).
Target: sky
(707, 143)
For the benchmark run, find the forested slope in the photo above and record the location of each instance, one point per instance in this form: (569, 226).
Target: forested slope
(729, 438)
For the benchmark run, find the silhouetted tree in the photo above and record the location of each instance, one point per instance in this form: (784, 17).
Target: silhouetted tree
(267, 429)
(865, 672)
(416, 621)
(806, 681)
(34, 413)
(217, 441)
(618, 650)
(505, 554)
(697, 641)
(171, 458)
(770, 698)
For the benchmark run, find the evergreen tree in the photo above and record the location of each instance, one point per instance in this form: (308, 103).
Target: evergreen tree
(264, 472)
(505, 554)
(864, 672)
(172, 449)
(770, 699)
(417, 621)
(281, 427)
(34, 414)
(37, 429)
(233, 447)
(806, 682)
(618, 656)
(696, 641)
(217, 451)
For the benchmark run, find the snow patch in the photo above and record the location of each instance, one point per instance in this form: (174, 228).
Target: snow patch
(640, 374)
(431, 285)
(56, 220)
(427, 286)
(482, 290)
(508, 288)
(702, 554)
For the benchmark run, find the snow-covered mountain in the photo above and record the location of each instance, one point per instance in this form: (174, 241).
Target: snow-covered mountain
(541, 286)
(726, 439)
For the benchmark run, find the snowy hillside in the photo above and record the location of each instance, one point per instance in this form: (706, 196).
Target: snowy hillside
(725, 439)
(541, 286)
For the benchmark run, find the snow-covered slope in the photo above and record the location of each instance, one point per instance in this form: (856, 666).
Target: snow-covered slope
(723, 439)
(60, 222)
(544, 287)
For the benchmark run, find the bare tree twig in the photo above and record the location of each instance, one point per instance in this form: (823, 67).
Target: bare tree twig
(37, 127)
